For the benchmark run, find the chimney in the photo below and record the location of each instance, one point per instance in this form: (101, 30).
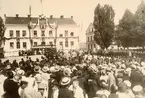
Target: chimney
(17, 15)
(71, 17)
(51, 16)
(61, 16)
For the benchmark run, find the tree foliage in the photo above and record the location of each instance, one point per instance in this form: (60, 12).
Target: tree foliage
(124, 30)
(131, 28)
(2, 30)
(104, 25)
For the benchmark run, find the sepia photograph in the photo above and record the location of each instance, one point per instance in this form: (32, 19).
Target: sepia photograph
(72, 48)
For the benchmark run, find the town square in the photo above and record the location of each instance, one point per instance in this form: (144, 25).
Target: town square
(72, 48)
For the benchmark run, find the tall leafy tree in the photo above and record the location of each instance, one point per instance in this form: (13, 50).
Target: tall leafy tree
(2, 30)
(104, 25)
(139, 28)
(124, 34)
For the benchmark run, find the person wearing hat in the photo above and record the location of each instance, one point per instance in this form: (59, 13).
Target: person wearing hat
(79, 85)
(113, 92)
(119, 78)
(26, 92)
(122, 88)
(129, 90)
(138, 91)
(103, 90)
(111, 78)
(41, 85)
(64, 92)
(136, 77)
(10, 87)
(23, 85)
(126, 75)
(44, 74)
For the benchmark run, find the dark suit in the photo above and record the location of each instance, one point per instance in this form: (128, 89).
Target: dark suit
(65, 93)
(11, 89)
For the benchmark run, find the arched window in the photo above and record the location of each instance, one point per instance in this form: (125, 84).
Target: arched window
(18, 45)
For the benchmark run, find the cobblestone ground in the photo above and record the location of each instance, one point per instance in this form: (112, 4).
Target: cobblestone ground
(20, 57)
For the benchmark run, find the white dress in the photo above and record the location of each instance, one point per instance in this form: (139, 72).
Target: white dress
(78, 91)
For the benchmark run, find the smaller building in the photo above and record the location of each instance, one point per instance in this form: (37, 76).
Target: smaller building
(90, 42)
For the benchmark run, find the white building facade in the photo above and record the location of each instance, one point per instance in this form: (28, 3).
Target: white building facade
(90, 42)
(27, 33)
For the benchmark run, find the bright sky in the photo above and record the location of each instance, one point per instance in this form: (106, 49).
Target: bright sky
(82, 10)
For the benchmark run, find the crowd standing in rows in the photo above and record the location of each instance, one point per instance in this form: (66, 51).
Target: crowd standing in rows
(92, 77)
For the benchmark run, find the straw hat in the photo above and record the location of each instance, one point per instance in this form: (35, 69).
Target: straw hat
(137, 88)
(52, 69)
(123, 66)
(38, 78)
(67, 71)
(57, 68)
(143, 64)
(133, 66)
(128, 83)
(20, 72)
(65, 81)
(127, 70)
(37, 69)
(44, 69)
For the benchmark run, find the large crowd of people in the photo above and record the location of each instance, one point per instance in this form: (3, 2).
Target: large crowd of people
(87, 76)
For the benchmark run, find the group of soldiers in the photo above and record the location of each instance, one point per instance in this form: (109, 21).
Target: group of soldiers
(87, 76)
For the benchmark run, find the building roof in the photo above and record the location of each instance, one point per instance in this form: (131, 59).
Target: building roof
(26, 20)
(90, 28)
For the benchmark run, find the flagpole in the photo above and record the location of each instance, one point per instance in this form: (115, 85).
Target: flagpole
(41, 1)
